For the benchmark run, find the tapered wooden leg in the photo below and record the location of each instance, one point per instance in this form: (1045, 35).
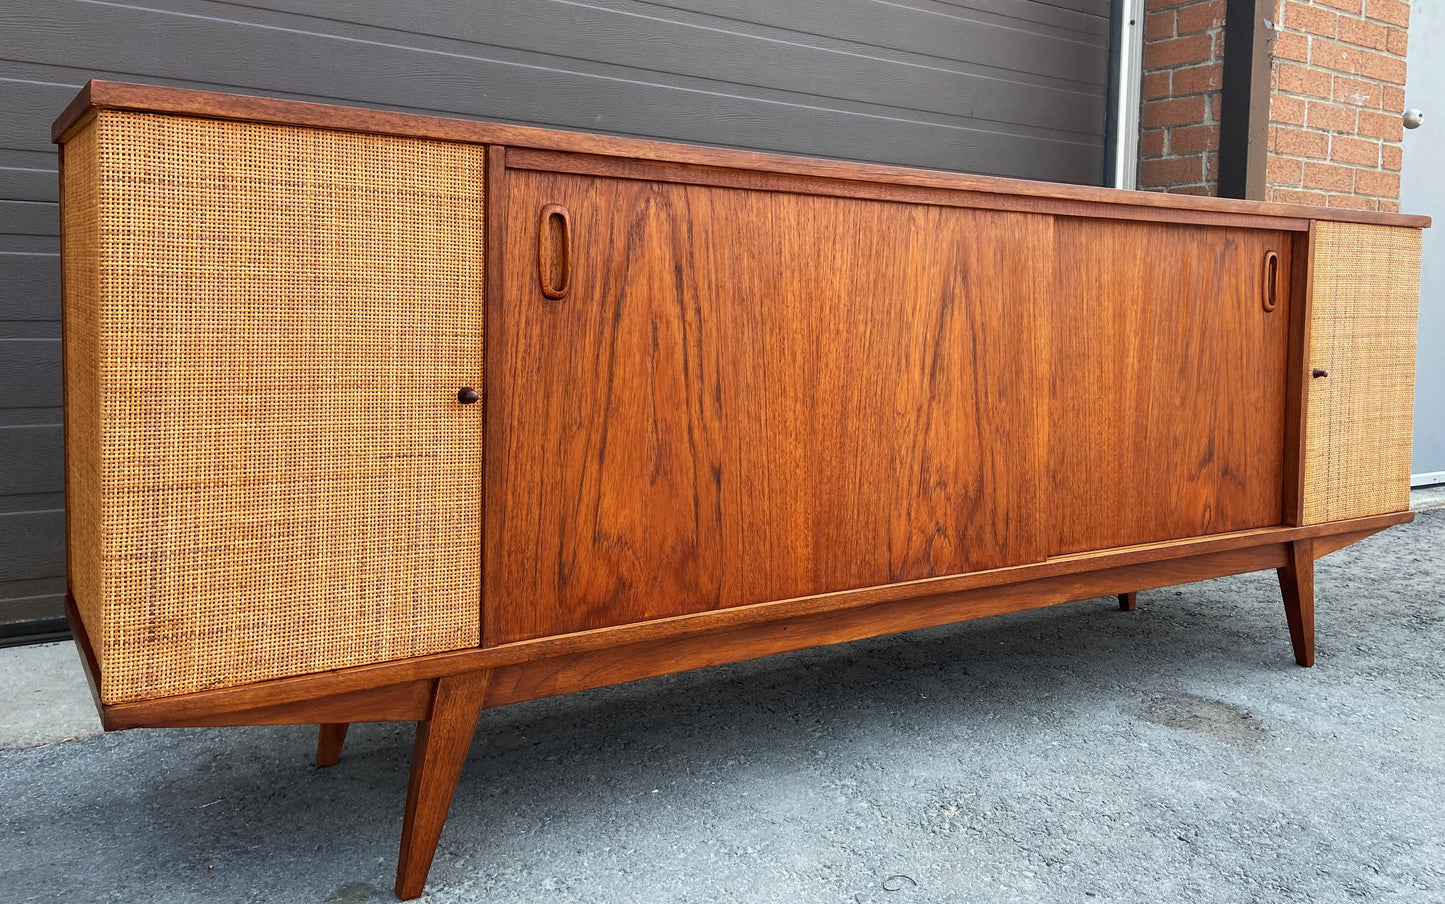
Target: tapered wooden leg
(328, 742)
(436, 763)
(1128, 602)
(1297, 582)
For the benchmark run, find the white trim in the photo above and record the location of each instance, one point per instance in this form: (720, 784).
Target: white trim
(1131, 79)
(1428, 479)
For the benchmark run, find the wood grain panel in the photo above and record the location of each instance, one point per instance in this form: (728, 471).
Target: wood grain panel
(1167, 384)
(751, 396)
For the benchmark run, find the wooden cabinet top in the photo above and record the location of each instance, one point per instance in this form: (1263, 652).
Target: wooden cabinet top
(721, 165)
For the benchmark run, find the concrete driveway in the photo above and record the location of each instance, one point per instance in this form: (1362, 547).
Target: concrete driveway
(1073, 754)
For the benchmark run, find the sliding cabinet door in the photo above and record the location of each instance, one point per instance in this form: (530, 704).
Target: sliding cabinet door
(1167, 382)
(747, 396)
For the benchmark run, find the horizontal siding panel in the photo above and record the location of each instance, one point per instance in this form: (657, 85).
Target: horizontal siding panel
(10, 590)
(1012, 35)
(15, 613)
(20, 183)
(31, 460)
(827, 54)
(511, 85)
(28, 244)
(29, 417)
(31, 502)
(32, 544)
(29, 329)
(29, 374)
(1073, 17)
(29, 218)
(29, 287)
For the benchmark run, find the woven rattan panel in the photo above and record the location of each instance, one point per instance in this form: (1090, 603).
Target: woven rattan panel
(288, 482)
(80, 261)
(1366, 291)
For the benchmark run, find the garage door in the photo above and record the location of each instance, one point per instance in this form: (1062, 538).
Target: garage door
(1003, 87)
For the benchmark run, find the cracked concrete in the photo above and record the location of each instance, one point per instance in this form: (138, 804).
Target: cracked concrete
(1072, 754)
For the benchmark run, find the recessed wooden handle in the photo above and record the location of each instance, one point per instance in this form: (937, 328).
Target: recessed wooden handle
(1271, 280)
(554, 251)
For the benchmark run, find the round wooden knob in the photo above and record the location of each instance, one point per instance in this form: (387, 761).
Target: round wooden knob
(467, 395)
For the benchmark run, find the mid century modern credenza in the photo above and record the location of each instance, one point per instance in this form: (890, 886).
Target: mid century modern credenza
(374, 416)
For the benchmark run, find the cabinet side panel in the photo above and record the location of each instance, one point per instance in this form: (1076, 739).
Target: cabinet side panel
(80, 256)
(289, 482)
(1366, 295)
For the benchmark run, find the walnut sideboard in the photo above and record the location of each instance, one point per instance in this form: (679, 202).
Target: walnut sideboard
(381, 417)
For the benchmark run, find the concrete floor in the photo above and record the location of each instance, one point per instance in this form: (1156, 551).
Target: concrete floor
(1073, 754)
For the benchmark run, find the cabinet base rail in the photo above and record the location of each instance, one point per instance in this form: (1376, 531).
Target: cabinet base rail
(444, 694)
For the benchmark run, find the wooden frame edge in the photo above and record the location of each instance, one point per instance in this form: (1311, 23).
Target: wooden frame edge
(1297, 385)
(550, 161)
(100, 94)
(766, 619)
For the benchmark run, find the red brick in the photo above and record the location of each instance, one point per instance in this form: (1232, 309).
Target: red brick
(1283, 171)
(1301, 80)
(1349, 6)
(1395, 41)
(1385, 68)
(1348, 202)
(1294, 196)
(1201, 17)
(1161, 4)
(1291, 46)
(1390, 206)
(1390, 157)
(1219, 45)
(1362, 33)
(1211, 168)
(1172, 171)
(1203, 191)
(1334, 55)
(1380, 125)
(1287, 110)
(1178, 52)
(1373, 182)
(1359, 151)
(1161, 25)
(1155, 85)
(1329, 177)
(1193, 139)
(1330, 117)
(1391, 12)
(1177, 111)
(1311, 19)
(1198, 79)
(1357, 91)
(1301, 143)
(1151, 143)
(1393, 99)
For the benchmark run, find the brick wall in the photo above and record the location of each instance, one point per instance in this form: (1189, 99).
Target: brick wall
(1336, 95)
(1179, 119)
